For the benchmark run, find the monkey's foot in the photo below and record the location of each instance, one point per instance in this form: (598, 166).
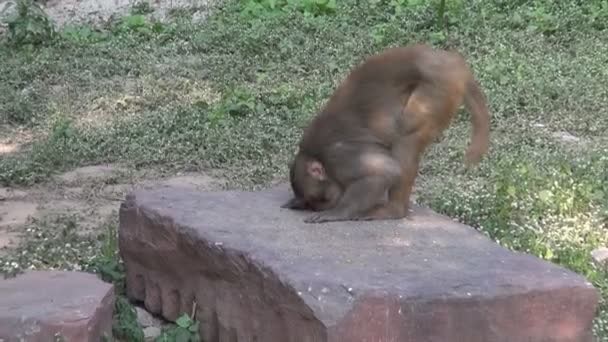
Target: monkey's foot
(333, 216)
(387, 212)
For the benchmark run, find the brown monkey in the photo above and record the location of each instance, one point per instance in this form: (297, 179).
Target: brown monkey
(359, 157)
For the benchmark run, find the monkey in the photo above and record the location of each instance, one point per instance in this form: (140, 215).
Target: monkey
(359, 156)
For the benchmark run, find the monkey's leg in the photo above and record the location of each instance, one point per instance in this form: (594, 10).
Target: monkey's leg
(407, 154)
(420, 121)
(373, 171)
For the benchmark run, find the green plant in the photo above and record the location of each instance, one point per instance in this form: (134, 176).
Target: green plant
(108, 263)
(19, 107)
(597, 13)
(142, 7)
(257, 8)
(138, 23)
(315, 7)
(543, 21)
(109, 266)
(29, 24)
(401, 6)
(83, 34)
(237, 104)
(125, 325)
(184, 330)
(448, 12)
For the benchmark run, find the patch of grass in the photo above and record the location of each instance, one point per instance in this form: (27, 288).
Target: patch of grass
(137, 24)
(83, 34)
(125, 325)
(53, 243)
(266, 8)
(19, 107)
(233, 93)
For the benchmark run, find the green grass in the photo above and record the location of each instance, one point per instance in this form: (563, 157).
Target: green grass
(234, 93)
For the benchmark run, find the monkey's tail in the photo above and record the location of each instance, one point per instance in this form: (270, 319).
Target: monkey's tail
(475, 103)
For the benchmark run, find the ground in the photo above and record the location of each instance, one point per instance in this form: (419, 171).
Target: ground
(220, 91)
(69, 12)
(93, 193)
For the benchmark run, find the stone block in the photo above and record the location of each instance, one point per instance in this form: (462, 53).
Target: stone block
(258, 273)
(37, 306)
(600, 257)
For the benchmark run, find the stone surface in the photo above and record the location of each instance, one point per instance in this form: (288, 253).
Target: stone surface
(151, 333)
(258, 273)
(145, 319)
(36, 305)
(600, 257)
(566, 137)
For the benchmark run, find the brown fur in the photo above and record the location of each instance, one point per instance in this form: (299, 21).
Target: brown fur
(359, 157)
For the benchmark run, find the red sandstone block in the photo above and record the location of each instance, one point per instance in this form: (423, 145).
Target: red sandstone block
(258, 273)
(36, 305)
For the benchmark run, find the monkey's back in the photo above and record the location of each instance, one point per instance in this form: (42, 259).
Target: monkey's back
(381, 82)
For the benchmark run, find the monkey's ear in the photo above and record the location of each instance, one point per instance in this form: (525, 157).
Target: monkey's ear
(294, 203)
(316, 170)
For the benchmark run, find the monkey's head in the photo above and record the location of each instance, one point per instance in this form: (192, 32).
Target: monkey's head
(312, 187)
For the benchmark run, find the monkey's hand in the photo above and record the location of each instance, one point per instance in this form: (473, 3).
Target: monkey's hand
(334, 216)
(317, 218)
(325, 216)
(381, 213)
(294, 204)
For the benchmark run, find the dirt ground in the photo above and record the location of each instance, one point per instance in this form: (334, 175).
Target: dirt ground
(95, 11)
(93, 193)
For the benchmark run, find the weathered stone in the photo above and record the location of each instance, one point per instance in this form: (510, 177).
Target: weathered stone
(566, 137)
(600, 257)
(151, 333)
(145, 319)
(258, 273)
(36, 305)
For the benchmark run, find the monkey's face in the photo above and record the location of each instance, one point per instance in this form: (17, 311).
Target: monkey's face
(312, 188)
